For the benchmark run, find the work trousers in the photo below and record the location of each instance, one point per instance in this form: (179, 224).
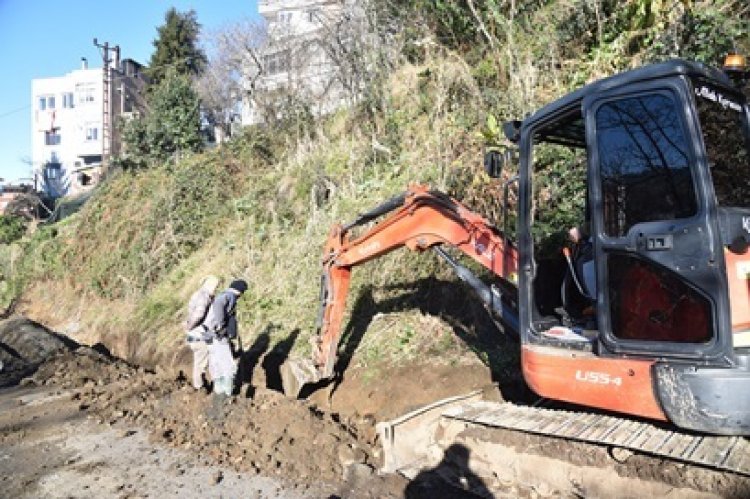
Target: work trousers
(221, 366)
(200, 362)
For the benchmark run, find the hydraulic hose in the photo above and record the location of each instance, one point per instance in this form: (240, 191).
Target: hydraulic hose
(490, 296)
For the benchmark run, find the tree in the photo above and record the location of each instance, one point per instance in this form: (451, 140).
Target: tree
(176, 47)
(171, 124)
(235, 64)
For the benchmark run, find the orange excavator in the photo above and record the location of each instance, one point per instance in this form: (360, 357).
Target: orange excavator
(647, 311)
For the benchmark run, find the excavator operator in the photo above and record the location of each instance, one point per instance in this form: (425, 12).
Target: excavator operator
(583, 261)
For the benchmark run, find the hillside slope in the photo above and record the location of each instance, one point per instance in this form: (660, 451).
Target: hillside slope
(259, 207)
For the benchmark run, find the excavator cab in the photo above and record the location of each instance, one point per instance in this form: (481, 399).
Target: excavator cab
(656, 161)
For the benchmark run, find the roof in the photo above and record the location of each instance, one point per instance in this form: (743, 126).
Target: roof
(674, 67)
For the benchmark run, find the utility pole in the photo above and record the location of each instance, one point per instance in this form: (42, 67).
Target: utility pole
(105, 50)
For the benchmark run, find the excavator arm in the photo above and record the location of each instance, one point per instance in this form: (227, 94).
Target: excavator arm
(418, 219)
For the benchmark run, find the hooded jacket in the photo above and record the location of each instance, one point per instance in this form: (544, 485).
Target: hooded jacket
(220, 320)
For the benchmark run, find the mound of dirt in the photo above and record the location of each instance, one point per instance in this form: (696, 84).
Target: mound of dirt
(262, 432)
(268, 434)
(24, 344)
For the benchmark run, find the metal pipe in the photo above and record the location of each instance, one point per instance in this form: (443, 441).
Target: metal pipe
(377, 212)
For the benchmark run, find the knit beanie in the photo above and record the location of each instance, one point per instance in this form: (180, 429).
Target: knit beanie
(239, 285)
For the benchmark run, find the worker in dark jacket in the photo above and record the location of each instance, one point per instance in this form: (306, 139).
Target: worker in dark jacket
(220, 326)
(198, 307)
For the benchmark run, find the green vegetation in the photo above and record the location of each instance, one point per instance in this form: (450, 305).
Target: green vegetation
(11, 228)
(261, 205)
(176, 49)
(170, 127)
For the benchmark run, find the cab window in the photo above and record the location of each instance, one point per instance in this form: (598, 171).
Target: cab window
(644, 163)
(724, 128)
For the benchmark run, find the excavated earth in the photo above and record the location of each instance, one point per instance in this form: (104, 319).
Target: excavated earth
(77, 422)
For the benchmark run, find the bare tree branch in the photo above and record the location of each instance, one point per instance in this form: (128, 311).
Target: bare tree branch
(235, 65)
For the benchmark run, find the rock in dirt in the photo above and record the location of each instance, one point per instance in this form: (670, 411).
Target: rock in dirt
(217, 477)
(349, 454)
(358, 472)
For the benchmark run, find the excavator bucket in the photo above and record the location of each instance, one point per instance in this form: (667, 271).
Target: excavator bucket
(296, 373)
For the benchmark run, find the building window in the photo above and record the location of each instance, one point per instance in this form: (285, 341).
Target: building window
(52, 138)
(86, 93)
(53, 168)
(46, 102)
(312, 15)
(67, 100)
(53, 171)
(92, 133)
(278, 62)
(285, 17)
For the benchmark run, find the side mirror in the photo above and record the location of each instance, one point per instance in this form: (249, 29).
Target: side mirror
(493, 163)
(512, 130)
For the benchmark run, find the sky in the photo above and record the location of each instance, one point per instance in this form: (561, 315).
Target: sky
(44, 38)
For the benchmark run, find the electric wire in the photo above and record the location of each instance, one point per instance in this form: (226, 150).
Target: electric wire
(14, 111)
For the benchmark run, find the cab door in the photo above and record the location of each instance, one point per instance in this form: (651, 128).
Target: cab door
(660, 285)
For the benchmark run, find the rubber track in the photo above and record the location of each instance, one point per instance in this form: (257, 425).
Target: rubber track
(717, 452)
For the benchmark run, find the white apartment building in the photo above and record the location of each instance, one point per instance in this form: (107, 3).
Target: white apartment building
(66, 130)
(295, 60)
(66, 124)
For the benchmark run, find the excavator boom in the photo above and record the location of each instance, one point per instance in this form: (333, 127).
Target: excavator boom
(418, 219)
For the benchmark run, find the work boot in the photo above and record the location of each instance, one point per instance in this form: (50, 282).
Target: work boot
(223, 386)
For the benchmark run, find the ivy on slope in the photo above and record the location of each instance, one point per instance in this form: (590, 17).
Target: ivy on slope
(141, 224)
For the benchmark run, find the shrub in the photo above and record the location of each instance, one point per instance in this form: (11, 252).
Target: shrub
(11, 228)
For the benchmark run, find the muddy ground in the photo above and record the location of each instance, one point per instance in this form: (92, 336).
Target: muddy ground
(83, 424)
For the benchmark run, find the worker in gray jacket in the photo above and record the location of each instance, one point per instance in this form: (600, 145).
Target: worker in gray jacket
(197, 309)
(220, 326)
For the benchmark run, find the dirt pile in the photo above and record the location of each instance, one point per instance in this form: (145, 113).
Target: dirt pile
(263, 433)
(268, 434)
(24, 344)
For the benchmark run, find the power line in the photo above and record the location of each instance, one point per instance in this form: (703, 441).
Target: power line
(14, 111)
